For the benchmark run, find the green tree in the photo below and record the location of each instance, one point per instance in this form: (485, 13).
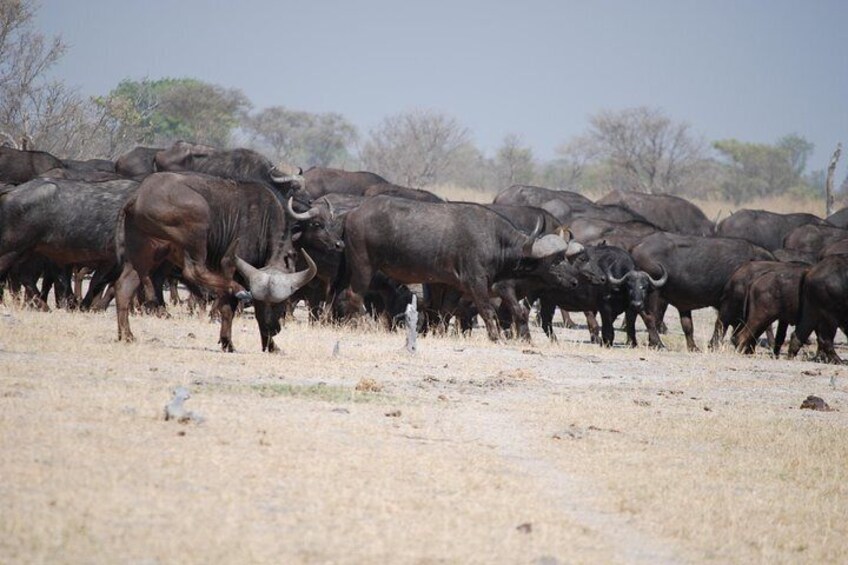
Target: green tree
(165, 110)
(760, 169)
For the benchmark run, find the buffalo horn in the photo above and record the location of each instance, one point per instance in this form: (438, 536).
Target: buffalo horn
(302, 216)
(547, 245)
(614, 281)
(537, 229)
(657, 283)
(272, 285)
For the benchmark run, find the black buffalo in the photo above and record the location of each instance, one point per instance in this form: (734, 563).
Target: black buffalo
(824, 307)
(387, 189)
(698, 269)
(669, 213)
(322, 180)
(19, 166)
(465, 246)
(625, 289)
(68, 222)
(763, 228)
(210, 228)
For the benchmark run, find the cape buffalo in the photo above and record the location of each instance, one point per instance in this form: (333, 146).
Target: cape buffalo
(322, 180)
(19, 166)
(619, 234)
(68, 222)
(465, 246)
(210, 228)
(839, 218)
(766, 229)
(669, 213)
(138, 162)
(736, 310)
(401, 192)
(813, 238)
(824, 307)
(698, 269)
(625, 289)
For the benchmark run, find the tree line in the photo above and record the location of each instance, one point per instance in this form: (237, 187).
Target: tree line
(635, 148)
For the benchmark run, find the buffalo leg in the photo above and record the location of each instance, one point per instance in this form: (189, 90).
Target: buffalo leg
(268, 319)
(630, 326)
(649, 316)
(125, 287)
(226, 307)
(546, 314)
(607, 329)
(594, 328)
(480, 295)
(780, 337)
(520, 315)
(688, 329)
(567, 322)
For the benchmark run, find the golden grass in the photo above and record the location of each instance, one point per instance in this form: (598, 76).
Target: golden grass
(441, 456)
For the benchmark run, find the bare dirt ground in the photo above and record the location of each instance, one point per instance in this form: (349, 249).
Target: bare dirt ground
(467, 452)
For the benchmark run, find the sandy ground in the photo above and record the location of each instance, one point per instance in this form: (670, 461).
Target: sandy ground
(467, 452)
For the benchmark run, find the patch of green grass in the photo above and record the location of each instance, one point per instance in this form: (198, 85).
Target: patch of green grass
(320, 391)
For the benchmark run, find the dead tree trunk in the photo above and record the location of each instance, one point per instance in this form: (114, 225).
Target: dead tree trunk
(828, 184)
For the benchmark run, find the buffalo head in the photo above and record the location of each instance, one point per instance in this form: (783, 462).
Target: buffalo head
(638, 283)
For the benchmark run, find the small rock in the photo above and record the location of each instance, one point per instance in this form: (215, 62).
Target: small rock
(393, 414)
(815, 403)
(641, 402)
(525, 528)
(340, 410)
(707, 409)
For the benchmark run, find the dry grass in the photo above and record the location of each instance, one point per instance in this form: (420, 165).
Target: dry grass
(439, 456)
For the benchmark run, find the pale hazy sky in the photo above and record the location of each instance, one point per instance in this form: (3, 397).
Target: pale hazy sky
(753, 70)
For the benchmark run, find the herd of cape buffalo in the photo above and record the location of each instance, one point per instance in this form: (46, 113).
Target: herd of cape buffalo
(235, 228)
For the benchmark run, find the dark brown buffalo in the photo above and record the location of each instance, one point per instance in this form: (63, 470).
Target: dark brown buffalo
(322, 180)
(812, 239)
(18, 167)
(387, 189)
(824, 307)
(667, 212)
(465, 246)
(839, 218)
(773, 296)
(68, 222)
(565, 205)
(763, 228)
(210, 228)
(736, 311)
(698, 270)
(138, 162)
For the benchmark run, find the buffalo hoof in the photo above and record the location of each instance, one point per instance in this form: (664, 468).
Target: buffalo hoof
(227, 346)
